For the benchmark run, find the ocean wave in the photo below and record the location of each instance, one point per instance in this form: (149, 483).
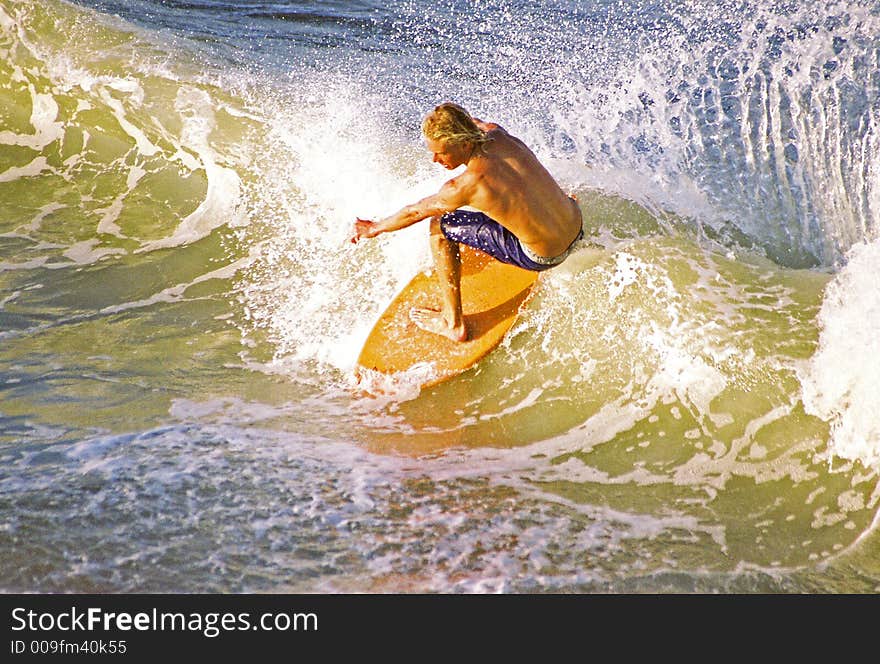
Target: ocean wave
(685, 403)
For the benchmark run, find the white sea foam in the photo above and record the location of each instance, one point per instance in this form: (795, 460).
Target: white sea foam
(317, 293)
(220, 205)
(37, 166)
(840, 381)
(44, 119)
(178, 291)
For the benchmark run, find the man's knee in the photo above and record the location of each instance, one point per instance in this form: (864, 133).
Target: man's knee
(436, 228)
(437, 236)
(439, 241)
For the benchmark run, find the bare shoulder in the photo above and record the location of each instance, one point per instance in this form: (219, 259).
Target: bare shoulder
(460, 190)
(488, 126)
(467, 180)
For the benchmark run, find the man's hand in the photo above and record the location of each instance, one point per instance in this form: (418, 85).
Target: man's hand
(364, 228)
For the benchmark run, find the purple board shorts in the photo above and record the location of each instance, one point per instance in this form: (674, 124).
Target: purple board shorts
(478, 230)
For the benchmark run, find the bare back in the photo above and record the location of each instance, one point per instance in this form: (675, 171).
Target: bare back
(508, 183)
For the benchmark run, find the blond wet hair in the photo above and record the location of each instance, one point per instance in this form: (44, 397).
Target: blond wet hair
(449, 123)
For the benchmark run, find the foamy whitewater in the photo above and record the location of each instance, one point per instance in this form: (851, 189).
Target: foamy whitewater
(687, 404)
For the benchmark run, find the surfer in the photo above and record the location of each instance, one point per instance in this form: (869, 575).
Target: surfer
(519, 213)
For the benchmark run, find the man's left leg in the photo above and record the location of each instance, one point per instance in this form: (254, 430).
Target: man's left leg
(449, 321)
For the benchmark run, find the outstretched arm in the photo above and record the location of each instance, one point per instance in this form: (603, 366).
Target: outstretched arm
(450, 197)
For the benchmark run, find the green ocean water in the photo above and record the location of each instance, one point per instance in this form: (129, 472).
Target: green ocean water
(686, 405)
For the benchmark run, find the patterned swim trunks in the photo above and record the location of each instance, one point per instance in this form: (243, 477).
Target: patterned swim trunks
(478, 230)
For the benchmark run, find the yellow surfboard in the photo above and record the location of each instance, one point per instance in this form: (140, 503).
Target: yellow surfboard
(491, 295)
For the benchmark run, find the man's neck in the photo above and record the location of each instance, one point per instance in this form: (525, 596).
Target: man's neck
(471, 155)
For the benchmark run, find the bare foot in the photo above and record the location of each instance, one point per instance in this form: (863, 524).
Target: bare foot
(431, 320)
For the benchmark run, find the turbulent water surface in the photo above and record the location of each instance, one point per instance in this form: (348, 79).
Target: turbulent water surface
(688, 403)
